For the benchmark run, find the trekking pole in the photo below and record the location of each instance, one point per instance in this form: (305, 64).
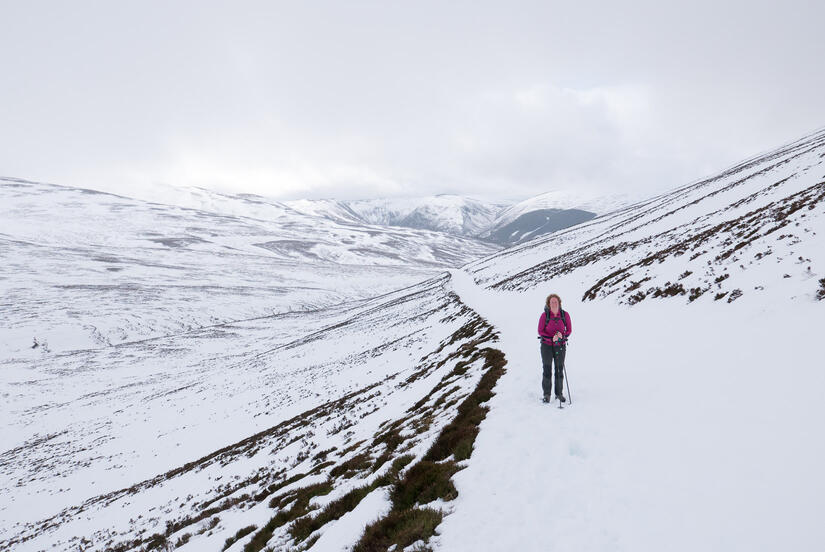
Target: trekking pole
(567, 381)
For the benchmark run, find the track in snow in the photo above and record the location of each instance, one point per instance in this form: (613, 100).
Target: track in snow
(681, 436)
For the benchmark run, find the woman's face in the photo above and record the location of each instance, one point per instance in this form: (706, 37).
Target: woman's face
(554, 304)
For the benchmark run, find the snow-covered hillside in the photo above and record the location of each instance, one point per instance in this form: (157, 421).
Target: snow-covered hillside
(87, 269)
(755, 231)
(186, 439)
(692, 427)
(562, 200)
(237, 204)
(695, 369)
(548, 213)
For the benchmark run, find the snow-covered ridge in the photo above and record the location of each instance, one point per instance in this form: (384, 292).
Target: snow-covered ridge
(455, 215)
(562, 200)
(448, 213)
(458, 215)
(755, 230)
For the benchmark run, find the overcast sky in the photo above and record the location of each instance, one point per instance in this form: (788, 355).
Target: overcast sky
(364, 99)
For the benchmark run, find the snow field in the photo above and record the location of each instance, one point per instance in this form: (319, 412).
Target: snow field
(691, 428)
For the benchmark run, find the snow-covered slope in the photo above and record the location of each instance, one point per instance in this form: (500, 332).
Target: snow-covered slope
(698, 389)
(562, 200)
(692, 427)
(329, 208)
(86, 269)
(533, 224)
(547, 213)
(188, 438)
(755, 231)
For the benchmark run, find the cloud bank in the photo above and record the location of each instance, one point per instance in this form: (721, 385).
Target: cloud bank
(364, 99)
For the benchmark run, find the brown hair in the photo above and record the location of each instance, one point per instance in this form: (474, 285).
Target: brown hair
(547, 301)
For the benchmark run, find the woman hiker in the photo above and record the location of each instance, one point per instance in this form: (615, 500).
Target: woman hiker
(554, 329)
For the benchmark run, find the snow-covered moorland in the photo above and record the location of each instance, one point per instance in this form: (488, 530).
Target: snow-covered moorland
(412, 421)
(84, 269)
(186, 439)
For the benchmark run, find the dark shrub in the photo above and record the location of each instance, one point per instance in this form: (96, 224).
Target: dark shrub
(238, 536)
(401, 528)
(423, 483)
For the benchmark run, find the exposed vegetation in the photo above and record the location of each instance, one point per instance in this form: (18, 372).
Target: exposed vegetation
(424, 482)
(238, 536)
(305, 526)
(358, 463)
(458, 436)
(431, 478)
(300, 507)
(734, 295)
(410, 488)
(400, 528)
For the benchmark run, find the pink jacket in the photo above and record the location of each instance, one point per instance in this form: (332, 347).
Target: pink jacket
(554, 325)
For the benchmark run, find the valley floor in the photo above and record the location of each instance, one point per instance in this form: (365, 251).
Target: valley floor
(691, 429)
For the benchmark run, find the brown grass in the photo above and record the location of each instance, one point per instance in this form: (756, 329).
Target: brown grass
(300, 507)
(431, 478)
(303, 527)
(400, 528)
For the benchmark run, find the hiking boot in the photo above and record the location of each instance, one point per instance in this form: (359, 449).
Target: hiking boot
(546, 399)
(561, 398)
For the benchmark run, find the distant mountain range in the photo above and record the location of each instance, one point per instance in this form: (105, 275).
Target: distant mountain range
(497, 222)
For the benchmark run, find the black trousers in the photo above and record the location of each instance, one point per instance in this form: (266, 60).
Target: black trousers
(552, 355)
